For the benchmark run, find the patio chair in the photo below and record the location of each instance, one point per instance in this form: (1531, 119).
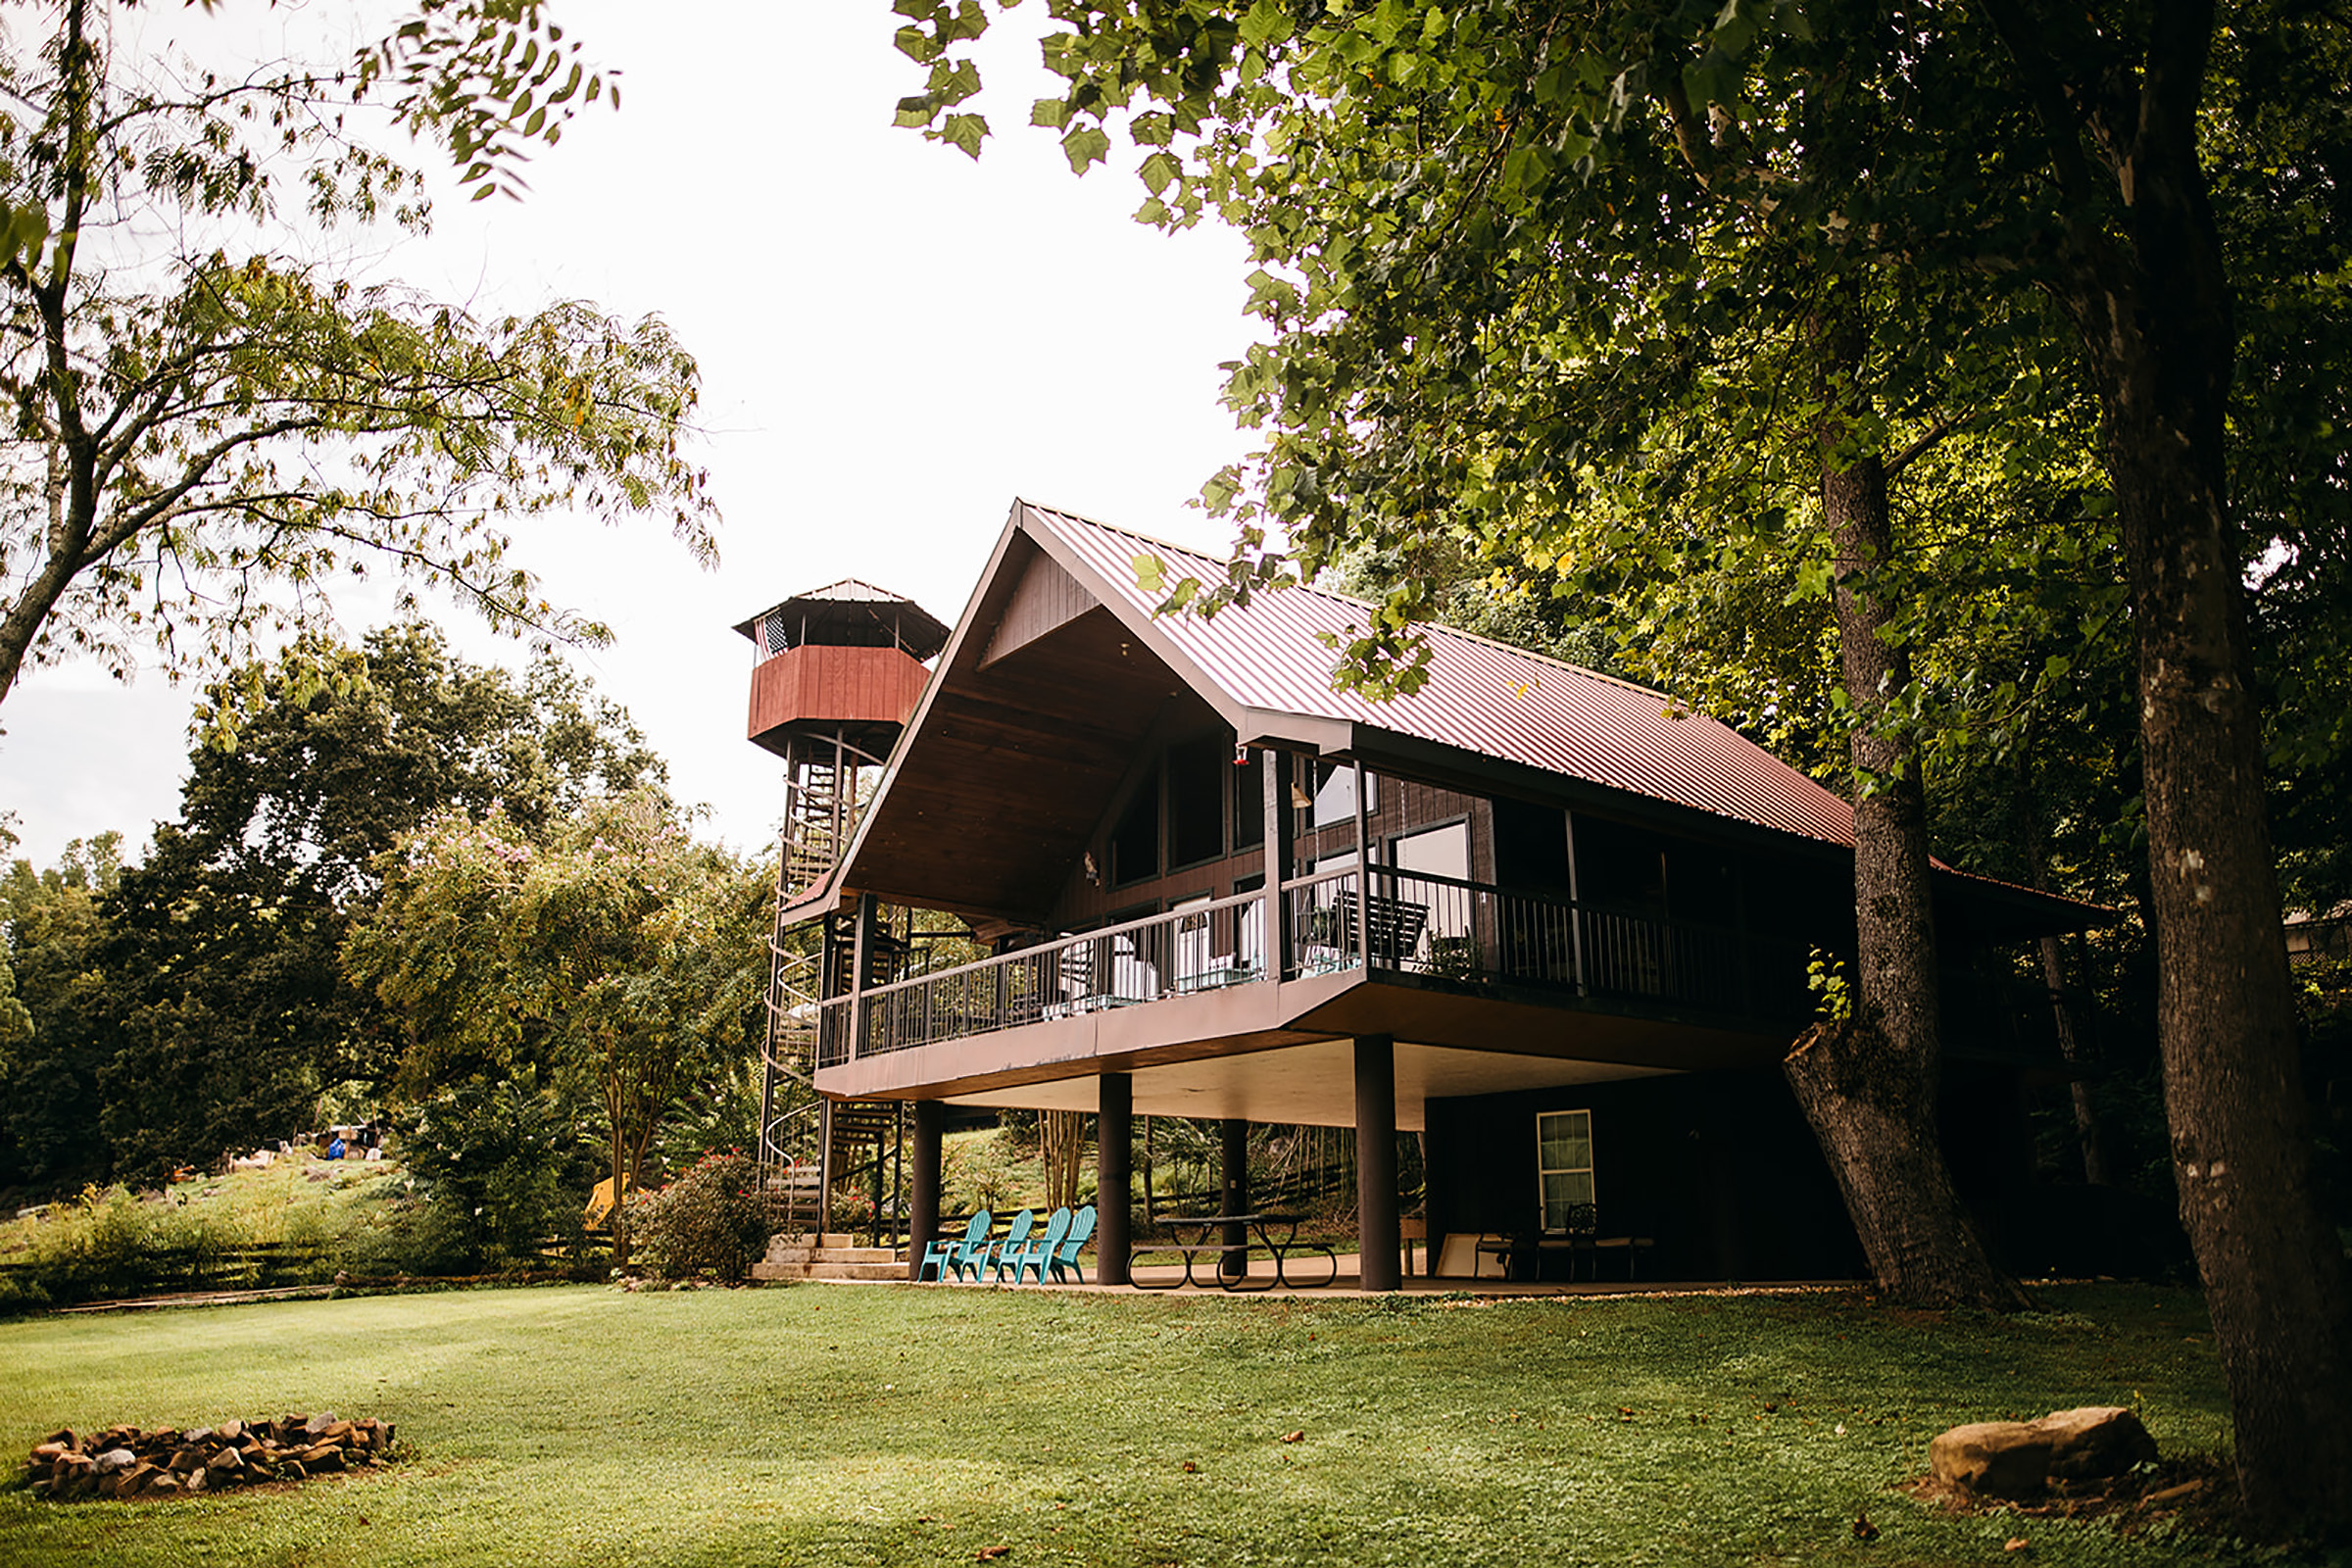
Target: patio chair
(1036, 1254)
(971, 1257)
(943, 1255)
(1065, 1256)
(1015, 1237)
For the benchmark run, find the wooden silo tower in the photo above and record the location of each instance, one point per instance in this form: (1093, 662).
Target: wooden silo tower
(836, 675)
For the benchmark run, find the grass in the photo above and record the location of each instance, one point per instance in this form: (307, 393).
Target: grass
(282, 1203)
(826, 1425)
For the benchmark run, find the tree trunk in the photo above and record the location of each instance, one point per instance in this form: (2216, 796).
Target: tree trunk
(1868, 1085)
(2148, 292)
(2090, 1132)
(1061, 1141)
(2273, 1269)
(1869, 1112)
(620, 1184)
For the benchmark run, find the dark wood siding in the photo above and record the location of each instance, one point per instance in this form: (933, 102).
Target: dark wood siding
(1718, 1168)
(1047, 598)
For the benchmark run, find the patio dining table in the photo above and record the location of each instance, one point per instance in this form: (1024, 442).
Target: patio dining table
(1195, 1234)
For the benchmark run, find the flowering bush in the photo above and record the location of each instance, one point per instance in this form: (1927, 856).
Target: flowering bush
(713, 1222)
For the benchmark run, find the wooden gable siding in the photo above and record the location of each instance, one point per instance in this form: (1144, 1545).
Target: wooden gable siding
(1010, 770)
(834, 685)
(1046, 599)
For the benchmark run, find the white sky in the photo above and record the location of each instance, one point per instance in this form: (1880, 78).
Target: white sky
(894, 342)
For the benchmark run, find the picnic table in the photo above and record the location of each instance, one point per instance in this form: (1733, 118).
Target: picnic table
(1195, 1234)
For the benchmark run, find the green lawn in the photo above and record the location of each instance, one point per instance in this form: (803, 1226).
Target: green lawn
(892, 1425)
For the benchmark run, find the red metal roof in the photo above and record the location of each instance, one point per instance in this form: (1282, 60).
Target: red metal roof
(1480, 694)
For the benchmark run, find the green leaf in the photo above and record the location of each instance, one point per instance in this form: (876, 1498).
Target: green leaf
(1084, 146)
(1265, 24)
(964, 132)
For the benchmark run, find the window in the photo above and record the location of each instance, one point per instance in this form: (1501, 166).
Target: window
(1563, 1163)
(1437, 852)
(1135, 841)
(1335, 793)
(1249, 800)
(1196, 774)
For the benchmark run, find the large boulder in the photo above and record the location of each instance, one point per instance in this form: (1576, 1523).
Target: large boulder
(2020, 1459)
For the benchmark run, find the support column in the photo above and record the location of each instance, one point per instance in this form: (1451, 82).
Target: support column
(1233, 1137)
(1378, 1244)
(1115, 1149)
(922, 1200)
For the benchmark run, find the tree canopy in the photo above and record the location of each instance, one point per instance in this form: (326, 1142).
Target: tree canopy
(612, 953)
(1511, 259)
(195, 1002)
(211, 423)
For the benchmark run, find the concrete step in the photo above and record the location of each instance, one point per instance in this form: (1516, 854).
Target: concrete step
(786, 1253)
(895, 1270)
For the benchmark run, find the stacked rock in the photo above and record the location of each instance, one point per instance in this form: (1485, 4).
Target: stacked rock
(127, 1463)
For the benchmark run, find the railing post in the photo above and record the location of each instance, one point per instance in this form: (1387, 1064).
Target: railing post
(1576, 911)
(1281, 854)
(1364, 870)
(861, 944)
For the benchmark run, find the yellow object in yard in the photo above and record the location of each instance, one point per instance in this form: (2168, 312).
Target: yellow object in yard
(600, 1203)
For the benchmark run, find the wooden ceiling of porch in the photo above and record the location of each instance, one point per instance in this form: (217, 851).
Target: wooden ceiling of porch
(1005, 778)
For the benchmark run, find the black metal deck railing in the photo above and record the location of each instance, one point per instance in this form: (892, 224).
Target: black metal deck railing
(1440, 929)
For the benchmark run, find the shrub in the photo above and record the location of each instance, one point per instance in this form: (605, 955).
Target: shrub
(713, 1222)
(853, 1207)
(504, 1170)
(108, 1242)
(980, 1172)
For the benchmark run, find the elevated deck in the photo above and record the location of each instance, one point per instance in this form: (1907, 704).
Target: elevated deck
(1501, 988)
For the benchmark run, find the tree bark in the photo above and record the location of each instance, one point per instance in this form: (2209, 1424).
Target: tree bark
(2145, 284)
(1061, 1138)
(2091, 1134)
(2273, 1269)
(1868, 1085)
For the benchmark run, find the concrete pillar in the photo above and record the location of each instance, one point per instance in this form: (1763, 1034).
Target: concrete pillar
(1114, 1152)
(922, 1198)
(1378, 1244)
(1234, 1137)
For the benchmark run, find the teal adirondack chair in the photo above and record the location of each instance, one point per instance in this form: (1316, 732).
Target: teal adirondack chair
(1065, 1256)
(1038, 1253)
(1016, 1238)
(971, 1254)
(940, 1256)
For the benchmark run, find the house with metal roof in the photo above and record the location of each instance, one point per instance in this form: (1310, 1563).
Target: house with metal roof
(1546, 919)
